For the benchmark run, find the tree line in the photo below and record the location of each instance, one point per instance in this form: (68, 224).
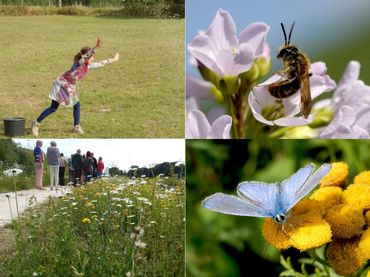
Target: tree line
(165, 169)
(91, 3)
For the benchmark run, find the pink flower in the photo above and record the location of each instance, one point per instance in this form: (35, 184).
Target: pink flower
(351, 105)
(197, 126)
(222, 51)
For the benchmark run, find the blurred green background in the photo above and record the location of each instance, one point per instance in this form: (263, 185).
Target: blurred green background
(226, 245)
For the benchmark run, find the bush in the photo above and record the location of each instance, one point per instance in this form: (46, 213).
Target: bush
(137, 9)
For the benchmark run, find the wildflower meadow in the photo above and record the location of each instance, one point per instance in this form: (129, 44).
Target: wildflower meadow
(110, 227)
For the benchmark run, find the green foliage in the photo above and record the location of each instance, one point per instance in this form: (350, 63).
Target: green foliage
(93, 231)
(140, 96)
(127, 8)
(12, 156)
(225, 245)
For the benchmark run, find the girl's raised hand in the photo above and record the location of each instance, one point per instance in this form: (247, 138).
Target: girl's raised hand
(99, 43)
(116, 57)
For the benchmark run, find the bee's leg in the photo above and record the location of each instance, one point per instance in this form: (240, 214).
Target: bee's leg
(283, 81)
(278, 111)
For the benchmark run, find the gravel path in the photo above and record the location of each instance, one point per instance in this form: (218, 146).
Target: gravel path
(26, 198)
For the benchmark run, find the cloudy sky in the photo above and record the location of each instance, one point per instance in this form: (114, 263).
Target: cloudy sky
(122, 153)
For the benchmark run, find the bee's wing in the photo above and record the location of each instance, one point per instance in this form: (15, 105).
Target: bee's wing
(230, 204)
(305, 95)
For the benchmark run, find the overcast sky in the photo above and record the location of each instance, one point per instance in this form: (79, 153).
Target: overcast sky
(122, 153)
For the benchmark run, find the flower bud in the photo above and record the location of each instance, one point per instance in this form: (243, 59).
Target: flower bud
(322, 118)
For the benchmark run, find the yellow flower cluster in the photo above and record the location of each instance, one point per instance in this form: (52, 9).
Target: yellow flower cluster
(332, 214)
(86, 220)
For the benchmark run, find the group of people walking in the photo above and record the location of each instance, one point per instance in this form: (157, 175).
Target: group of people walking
(85, 167)
(82, 168)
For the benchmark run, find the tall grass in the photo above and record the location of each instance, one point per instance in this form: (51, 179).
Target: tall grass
(112, 227)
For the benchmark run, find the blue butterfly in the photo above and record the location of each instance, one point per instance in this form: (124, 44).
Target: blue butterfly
(259, 199)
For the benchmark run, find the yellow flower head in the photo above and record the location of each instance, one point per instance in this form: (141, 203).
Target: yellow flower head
(364, 245)
(357, 195)
(345, 256)
(274, 235)
(327, 197)
(337, 175)
(345, 221)
(367, 218)
(304, 228)
(362, 178)
(86, 220)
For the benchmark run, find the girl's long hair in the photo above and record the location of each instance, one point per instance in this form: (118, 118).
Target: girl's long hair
(83, 51)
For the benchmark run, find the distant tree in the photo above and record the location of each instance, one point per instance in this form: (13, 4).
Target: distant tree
(113, 171)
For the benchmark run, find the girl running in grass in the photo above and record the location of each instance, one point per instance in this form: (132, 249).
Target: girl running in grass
(64, 91)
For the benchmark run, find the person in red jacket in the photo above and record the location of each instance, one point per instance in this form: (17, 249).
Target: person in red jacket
(100, 166)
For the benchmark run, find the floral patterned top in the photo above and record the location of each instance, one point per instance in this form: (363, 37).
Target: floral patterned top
(64, 88)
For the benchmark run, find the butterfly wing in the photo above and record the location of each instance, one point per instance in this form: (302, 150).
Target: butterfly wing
(230, 204)
(300, 184)
(260, 195)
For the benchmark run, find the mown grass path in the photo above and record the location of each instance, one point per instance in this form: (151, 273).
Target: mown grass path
(141, 96)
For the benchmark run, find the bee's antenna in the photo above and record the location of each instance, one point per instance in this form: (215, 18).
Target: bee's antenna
(282, 27)
(290, 33)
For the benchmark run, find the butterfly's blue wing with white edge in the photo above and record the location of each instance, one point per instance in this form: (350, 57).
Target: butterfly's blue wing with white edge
(300, 184)
(230, 204)
(260, 195)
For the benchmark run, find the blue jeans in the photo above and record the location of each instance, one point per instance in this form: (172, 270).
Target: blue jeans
(53, 108)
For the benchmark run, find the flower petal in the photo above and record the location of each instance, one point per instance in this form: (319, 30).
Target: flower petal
(220, 129)
(191, 104)
(351, 73)
(255, 36)
(201, 49)
(232, 64)
(256, 109)
(196, 87)
(318, 68)
(293, 121)
(222, 31)
(215, 113)
(196, 125)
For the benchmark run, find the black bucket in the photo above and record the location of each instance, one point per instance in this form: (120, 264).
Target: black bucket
(14, 126)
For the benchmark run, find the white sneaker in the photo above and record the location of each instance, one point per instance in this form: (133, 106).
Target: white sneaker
(78, 129)
(35, 128)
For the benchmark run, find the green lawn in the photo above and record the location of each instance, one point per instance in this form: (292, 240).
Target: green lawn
(140, 96)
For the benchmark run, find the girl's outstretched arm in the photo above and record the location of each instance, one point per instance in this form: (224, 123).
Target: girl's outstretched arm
(104, 62)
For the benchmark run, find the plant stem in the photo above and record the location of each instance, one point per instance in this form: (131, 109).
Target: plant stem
(16, 198)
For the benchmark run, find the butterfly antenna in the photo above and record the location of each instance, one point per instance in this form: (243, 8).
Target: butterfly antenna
(282, 27)
(290, 32)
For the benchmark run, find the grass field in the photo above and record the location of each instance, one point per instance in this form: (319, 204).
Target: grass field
(142, 95)
(113, 227)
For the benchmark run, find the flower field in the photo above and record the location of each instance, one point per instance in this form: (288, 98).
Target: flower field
(111, 227)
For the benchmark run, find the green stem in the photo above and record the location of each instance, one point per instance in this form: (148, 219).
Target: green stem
(279, 133)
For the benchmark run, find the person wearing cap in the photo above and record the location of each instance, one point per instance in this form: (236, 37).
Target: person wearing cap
(64, 91)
